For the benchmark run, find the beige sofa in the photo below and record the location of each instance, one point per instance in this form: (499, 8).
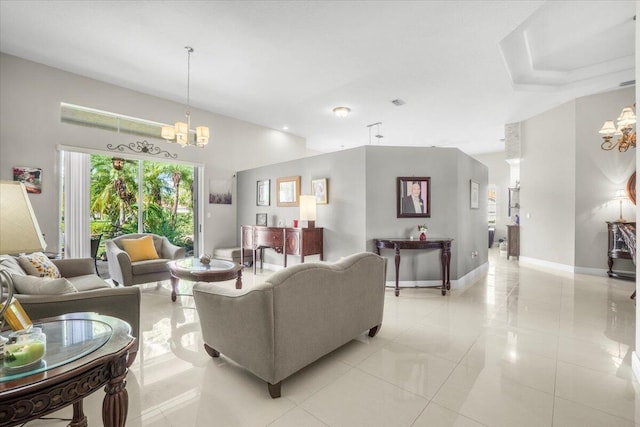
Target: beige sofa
(94, 295)
(127, 273)
(297, 316)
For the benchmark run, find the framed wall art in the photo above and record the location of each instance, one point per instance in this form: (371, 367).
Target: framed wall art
(413, 197)
(261, 219)
(263, 192)
(288, 191)
(474, 191)
(320, 190)
(30, 177)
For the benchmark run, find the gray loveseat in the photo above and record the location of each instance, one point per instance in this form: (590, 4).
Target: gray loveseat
(297, 316)
(94, 295)
(127, 273)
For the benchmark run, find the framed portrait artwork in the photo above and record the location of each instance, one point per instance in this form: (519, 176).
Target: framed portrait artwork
(263, 192)
(320, 190)
(413, 197)
(474, 190)
(261, 219)
(288, 191)
(30, 177)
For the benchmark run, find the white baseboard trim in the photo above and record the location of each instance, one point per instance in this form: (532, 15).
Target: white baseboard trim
(547, 264)
(635, 365)
(467, 280)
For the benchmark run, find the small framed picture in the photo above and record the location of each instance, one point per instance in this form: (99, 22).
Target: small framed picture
(263, 192)
(288, 191)
(261, 219)
(30, 177)
(413, 197)
(320, 190)
(475, 189)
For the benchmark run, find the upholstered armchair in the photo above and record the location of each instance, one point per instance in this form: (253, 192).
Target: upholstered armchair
(127, 272)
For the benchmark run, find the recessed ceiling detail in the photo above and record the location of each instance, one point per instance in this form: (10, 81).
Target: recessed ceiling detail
(554, 47)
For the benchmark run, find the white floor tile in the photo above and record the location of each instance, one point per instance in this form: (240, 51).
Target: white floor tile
(436, 415)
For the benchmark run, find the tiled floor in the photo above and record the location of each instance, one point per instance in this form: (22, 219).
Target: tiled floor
(522, 347)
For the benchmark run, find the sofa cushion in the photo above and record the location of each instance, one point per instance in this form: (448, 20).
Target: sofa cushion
(88, 282)
(38, 264)
(149, 266)
(140, 249)
(32, 285)
(11, 264)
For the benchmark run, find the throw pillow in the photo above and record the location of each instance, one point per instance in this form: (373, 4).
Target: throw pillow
(31, 285)
(37, 264)
(140, 249)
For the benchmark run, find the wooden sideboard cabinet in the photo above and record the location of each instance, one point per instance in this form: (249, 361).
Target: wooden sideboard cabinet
(513, 241)
(618, 249)
(286, 241)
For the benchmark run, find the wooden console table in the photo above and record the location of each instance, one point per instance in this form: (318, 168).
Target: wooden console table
(287, 241)
(618, 248)
(444, 244)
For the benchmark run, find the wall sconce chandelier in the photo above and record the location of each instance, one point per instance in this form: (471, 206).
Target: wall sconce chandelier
(180, 132)
(624, 129)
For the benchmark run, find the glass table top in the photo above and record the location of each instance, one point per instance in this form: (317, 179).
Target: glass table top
(67, 340)
(194, 264)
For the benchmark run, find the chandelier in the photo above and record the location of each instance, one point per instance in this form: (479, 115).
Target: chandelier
(180, 132)
(623, 128)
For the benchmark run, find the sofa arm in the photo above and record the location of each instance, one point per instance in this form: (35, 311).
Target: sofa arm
(239, 324)
(123, 303)
(119, 264)
(171, 251)
(73, 267)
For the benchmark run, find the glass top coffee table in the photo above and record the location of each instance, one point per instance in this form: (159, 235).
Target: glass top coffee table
(85, 353)
(193, 270)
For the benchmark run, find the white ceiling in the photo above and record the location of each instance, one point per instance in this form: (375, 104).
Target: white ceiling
(464, 68)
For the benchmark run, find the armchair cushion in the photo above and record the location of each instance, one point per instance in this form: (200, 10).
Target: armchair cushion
(32, 285)
(38, 264)
(140, 249)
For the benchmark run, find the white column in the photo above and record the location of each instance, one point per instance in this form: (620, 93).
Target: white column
(77, 180)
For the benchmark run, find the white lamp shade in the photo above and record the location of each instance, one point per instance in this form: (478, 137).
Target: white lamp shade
(620, 195)
(608, 128)
(19, 229)
(202, 135)
(168, 132)
(308, 208)
(627, 117)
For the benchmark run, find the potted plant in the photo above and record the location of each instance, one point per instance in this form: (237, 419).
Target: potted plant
(422, 228)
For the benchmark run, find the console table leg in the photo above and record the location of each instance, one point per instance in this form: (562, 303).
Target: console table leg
(443, 261)
(397, 249)
(79, 418)
(116, 400)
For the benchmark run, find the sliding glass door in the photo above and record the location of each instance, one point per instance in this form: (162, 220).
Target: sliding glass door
(130, 196)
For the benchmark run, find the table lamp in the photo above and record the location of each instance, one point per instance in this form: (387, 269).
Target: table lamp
(19, 233)
(308, 210)
(621, 195)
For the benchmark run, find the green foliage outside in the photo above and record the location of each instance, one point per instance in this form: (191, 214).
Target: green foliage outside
(167, 200)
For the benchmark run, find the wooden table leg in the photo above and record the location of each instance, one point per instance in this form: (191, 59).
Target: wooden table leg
(79, 418)
(174, 288)
(443, 262)
(239, 280)
(397, 250)
(116, 400)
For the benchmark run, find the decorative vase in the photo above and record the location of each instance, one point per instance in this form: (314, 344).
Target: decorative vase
(423, 235)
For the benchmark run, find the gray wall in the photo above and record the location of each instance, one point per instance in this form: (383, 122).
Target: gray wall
(599, 174)
(342, 218)
(30, 130)
(547, 186)
(568, 183)
(362, 204)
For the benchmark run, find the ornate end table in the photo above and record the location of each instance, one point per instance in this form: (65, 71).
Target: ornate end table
(85, 351)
